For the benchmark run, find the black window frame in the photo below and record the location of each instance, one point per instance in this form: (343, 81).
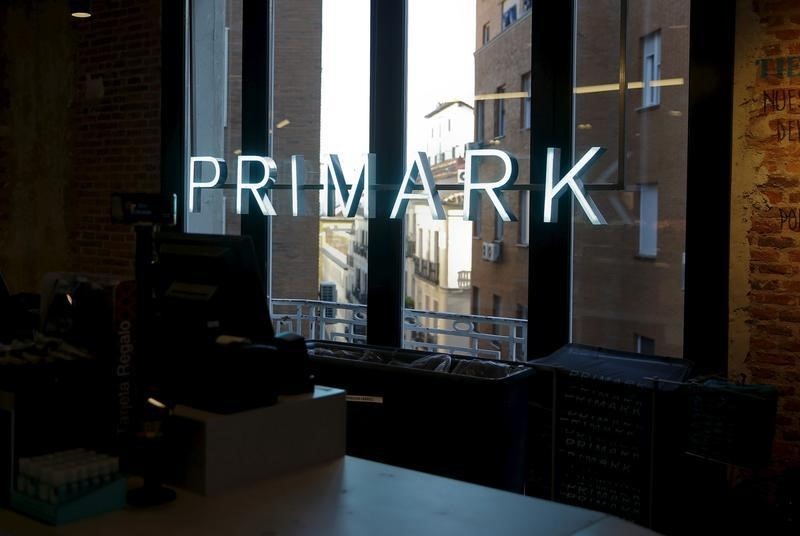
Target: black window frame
(709, 154)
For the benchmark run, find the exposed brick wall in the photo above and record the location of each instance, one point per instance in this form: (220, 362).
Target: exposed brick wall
(79, 119)
(502, 62)
(116, 127)
(37, 48)
(297, 71)
(765, 238)
(4, 133)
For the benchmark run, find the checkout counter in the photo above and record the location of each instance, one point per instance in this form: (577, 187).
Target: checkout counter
(347, 497)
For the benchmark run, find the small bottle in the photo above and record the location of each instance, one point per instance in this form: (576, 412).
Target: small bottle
(57, 488)
(105, 470)
(45, 482)
(70, 480)
(23, 474)
(83, 477)
(34, 470)
(94, 472)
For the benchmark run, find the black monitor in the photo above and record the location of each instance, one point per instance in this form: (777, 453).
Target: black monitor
(210, 285)
(203, 286)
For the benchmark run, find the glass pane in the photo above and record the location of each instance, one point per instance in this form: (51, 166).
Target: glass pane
(320, 110)
(214, 121)
(596, 91)
(466, 282)
(319, 106)
(628, 275)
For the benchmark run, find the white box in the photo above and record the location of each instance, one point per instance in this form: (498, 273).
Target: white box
(211, 452)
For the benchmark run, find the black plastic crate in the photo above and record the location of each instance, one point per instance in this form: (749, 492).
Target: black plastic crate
(617, 366)
(465, 427)
(731, 423)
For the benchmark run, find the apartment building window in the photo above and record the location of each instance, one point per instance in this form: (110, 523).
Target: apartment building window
(498, 227)
(527, 5)
(436, 246)
(645, 345)
(651, 68)
(486, 33)
(476, 224)
(526, 101)
(430, 246)
(524, 218)
(500, 114)
(509, 13)
(496, 311)
(648, 220)
(479, 121)
(475, 304)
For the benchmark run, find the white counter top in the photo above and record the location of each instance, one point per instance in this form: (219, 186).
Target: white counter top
(352, 497)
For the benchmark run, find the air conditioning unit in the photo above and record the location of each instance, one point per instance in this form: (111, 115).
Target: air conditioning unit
(327, 292)
(490, 251)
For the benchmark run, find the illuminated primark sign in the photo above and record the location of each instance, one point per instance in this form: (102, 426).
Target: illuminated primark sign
(350, 196)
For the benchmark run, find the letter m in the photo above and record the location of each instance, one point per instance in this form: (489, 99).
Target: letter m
(346, 197)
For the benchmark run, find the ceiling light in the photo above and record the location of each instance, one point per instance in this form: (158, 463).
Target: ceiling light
(80, 9)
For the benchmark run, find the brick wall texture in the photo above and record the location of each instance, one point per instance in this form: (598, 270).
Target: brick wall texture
(116, 137)
(79, 119)
(765, 235)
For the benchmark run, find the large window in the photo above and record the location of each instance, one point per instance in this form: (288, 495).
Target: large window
(627, 275)
(500, 114)
(526, 101)
(651, 69)
(509, 13)
(318, 106)
(214, 121)
(468, 94)
(462, 94)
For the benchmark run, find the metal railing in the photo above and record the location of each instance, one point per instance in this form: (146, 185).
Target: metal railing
(464, 279)
(461, 334)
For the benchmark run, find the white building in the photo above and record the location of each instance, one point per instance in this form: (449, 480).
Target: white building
(439, 252)
(449, 130)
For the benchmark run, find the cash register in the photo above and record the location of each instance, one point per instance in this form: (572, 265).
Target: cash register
(209, 341)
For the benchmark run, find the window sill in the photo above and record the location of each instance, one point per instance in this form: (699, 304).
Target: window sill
(648, 108)
(521, 245)
(642, 257)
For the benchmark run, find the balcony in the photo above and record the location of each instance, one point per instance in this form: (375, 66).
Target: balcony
(357, 296)
(411, 247)
(464, 279)
(467, 335)
(427, 270)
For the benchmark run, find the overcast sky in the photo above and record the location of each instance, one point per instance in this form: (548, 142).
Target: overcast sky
(440, 68)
